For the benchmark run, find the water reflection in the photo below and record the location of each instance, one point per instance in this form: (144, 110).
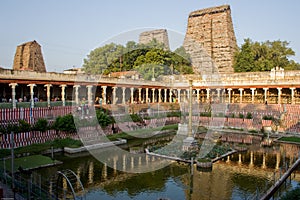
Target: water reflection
(238, 176)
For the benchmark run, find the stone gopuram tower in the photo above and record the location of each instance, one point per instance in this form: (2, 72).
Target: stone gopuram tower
(210, 40)
(29, 57)
(161, 35)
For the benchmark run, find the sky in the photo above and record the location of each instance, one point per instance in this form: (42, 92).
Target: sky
(68, 30)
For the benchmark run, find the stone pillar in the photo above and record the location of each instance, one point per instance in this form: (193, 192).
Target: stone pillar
(198, 95)
(63, 96)
(241, 95)
(279, 95)
(76, 93)
(229, 95)
(265, 94)
(114, 95)
(13, 94)
(187, 94)
(178, 92)
(170, 97)
(147, 95)
(293, 94)
(207, 94)
(123, 95)
(104, 94)
(165, 95)
(219, 94)
(159, 95)
(252, 95)
(48, 86)
(31, 94)
(140, 95)
(131, 95)
(153, 95)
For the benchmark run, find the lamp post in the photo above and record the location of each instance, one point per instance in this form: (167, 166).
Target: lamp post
(12, 163)
(190, 134)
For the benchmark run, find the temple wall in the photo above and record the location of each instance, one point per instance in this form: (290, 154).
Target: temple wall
(29, 56)
(212, 30)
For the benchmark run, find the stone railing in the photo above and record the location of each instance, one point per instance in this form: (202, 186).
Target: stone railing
(216, 80)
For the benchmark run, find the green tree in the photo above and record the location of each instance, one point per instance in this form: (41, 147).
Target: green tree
(244, 59)
(103, 59)
(263, 56)
(151, 65)
(145, 58)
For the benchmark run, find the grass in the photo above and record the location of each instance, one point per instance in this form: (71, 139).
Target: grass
(38, 148)
(68, 142)
(290, 139)
(30, 162)
(141, 132)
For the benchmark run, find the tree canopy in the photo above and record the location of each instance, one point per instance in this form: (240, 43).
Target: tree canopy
(150, 60)
(263, 56)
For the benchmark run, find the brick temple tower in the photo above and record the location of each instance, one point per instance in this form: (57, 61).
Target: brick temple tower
(211, 31)
(161, 35)
(29, 57)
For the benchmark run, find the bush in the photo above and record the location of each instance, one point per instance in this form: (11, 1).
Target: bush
(174, 114)
(231, 115)
(241, 116)
(103, 118)
(268, 117)
(65, 123)
(20, 126)
(24, 126)
(136, 118)
(249, 116)
(41, 125)
(205, 114)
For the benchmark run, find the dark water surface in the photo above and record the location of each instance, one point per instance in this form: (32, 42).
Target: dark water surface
(239, 176)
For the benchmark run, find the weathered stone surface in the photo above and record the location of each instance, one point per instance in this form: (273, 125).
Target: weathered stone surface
(29, 57)
(210, 40)
(161, 35)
